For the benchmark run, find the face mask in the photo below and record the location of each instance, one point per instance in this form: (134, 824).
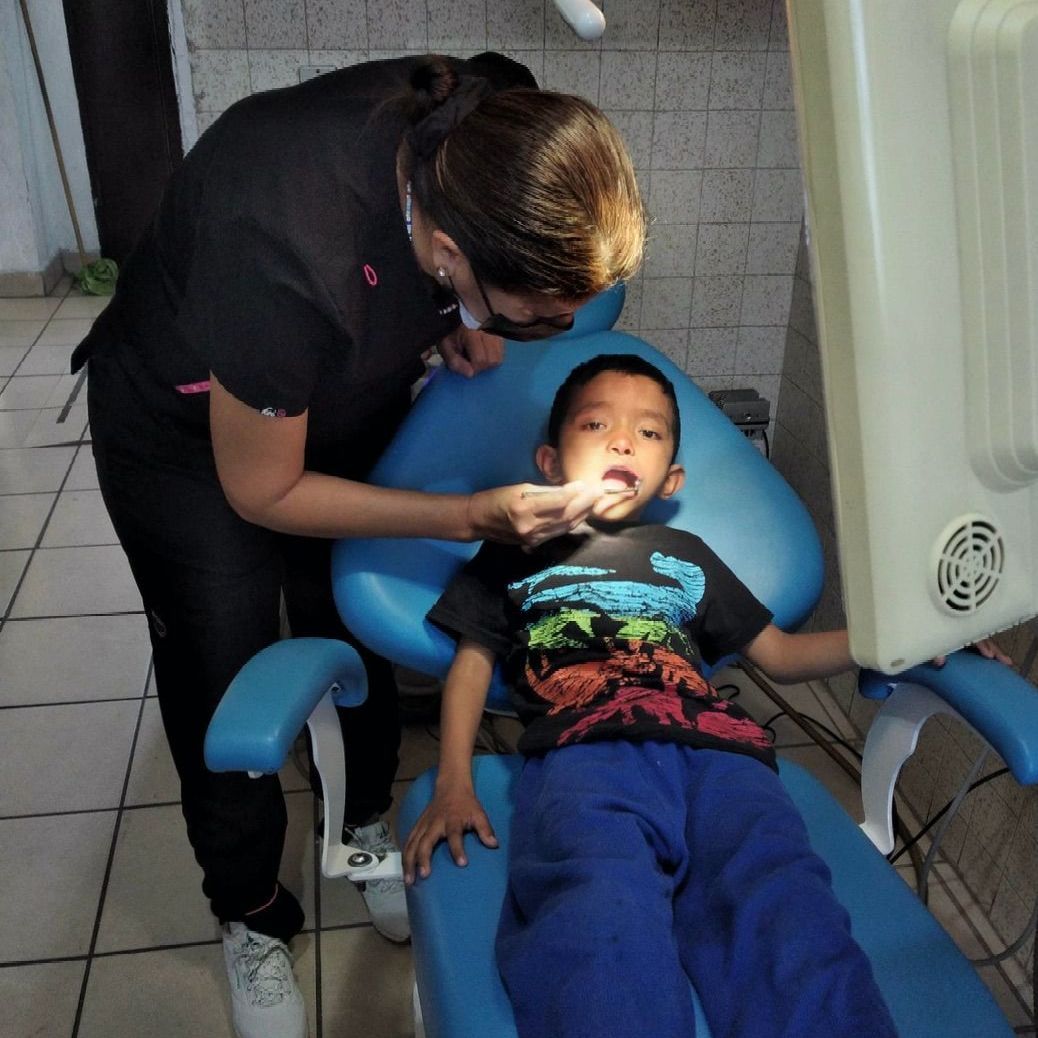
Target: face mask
(466, 317)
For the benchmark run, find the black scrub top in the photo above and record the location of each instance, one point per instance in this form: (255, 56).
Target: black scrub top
(279, 260)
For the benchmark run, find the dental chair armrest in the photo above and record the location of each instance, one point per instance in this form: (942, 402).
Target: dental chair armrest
(991, 697)
(271, 697)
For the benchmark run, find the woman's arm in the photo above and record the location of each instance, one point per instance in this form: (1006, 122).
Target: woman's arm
(454, 809)
(260, 463)
(799, 657)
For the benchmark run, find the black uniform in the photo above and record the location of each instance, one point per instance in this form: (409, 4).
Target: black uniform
(279, 261)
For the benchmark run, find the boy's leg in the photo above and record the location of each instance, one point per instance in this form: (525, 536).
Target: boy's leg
(761, 933)
(585, 944)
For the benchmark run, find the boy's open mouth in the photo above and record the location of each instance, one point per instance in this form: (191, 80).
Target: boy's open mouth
(620, 478)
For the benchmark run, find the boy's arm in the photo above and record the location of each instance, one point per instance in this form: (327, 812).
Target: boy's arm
(799, 657)
(454, 809)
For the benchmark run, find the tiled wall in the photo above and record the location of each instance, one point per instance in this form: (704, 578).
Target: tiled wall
(993, 843)
(699, 88)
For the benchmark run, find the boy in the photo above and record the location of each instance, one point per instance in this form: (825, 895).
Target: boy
(652, 841)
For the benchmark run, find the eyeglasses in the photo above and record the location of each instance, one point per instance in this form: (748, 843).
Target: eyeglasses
(518, 331)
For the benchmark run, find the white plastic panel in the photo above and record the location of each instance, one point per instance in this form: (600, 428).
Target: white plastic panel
(918, 135)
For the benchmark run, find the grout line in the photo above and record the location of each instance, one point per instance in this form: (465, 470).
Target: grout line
(111, 860)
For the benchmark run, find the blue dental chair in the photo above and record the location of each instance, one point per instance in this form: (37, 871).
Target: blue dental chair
(463, 435)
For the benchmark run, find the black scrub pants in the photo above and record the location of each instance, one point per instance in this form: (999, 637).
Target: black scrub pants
(211, 585)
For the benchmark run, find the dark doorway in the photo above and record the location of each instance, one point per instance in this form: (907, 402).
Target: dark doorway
(123, 70)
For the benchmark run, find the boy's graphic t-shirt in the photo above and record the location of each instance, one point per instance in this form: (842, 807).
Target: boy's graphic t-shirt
(603, 634)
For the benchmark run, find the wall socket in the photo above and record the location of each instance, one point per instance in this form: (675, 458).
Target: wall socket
(313, 71)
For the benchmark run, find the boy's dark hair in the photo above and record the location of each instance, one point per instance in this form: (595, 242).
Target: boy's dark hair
(625, 363)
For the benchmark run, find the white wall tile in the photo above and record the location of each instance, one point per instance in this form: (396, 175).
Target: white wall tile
(687, 24)
(275, 23)
(628, 79)
(737, 79)
(721, 249)
(516, 25)
(666, 302)
(743, 25)
(671, 342)
(678, 140)
(778, 86)
(636, 128)
(457, 23)
(711, 351)
(671, 251)
(396, 23)
(573, 72)
(219, 78)
(683, 79)
(773, 248)
(779, 36)
(727, 195)
(766, 299)
(716, 302)
(760, 350)
(779, 146)
(337, 58)
(532, 59)
(632, 24)
(778, 196)
(337, 24)
(675, 194)
(214, 23)
(270, 69)
(732, 139)
(631, 316)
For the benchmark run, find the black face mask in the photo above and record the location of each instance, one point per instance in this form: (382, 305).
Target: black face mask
(517, 331)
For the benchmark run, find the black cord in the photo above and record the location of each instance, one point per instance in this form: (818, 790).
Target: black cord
(767, 444)
(894, 855)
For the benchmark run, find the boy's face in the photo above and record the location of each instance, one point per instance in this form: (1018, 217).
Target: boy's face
(618, 433)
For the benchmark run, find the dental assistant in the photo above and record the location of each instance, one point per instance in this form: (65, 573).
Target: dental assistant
(256, 360)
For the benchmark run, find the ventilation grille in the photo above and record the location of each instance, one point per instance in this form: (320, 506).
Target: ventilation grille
(969, 560)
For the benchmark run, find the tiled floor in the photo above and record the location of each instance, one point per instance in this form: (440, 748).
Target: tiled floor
(103, 929)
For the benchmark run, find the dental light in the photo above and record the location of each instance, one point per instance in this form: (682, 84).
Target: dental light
(919, 138)
(583, 17)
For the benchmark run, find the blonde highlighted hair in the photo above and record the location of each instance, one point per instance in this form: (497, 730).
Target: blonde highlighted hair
(536, 188)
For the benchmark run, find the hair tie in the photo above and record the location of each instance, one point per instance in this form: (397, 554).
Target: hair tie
(429, 133)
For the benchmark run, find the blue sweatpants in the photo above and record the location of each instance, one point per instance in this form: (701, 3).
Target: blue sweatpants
(636, 867)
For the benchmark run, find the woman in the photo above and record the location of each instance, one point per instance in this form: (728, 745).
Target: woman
(257, 359)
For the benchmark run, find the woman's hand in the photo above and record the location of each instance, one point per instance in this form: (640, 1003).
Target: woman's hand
(469, 352)
(505, 515)
(451, 813)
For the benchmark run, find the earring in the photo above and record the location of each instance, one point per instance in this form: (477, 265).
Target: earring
(441, 273)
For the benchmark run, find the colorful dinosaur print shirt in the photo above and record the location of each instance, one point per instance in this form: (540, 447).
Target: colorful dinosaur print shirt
(603, 634)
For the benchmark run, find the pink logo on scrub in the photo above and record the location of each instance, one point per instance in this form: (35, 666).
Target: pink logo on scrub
(369, 275)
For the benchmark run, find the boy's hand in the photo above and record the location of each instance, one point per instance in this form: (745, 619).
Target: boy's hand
(505, 515)
(450, 815)
(987, 648)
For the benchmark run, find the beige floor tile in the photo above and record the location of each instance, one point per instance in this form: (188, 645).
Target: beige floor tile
(73, 659)
(51, 871)
(12, 563)
(15, 428)
(71, 757)
(20, 333)
(58, 425)
(84, 472)
(154, 893)
(40, 1001)
(48, 360)
(74, 581)
(65, 332)
(1008, 999)
(28, 392)
(11, 358)
(34, 470)
(79, 518)
(81, 307)
(21, 519)
(41, 309)
(365, 978)
(155, 890)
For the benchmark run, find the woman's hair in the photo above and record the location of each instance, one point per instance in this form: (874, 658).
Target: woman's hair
(536, 188)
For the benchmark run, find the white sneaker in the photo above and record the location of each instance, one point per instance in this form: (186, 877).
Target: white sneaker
(384, 898)
(265, 1000)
